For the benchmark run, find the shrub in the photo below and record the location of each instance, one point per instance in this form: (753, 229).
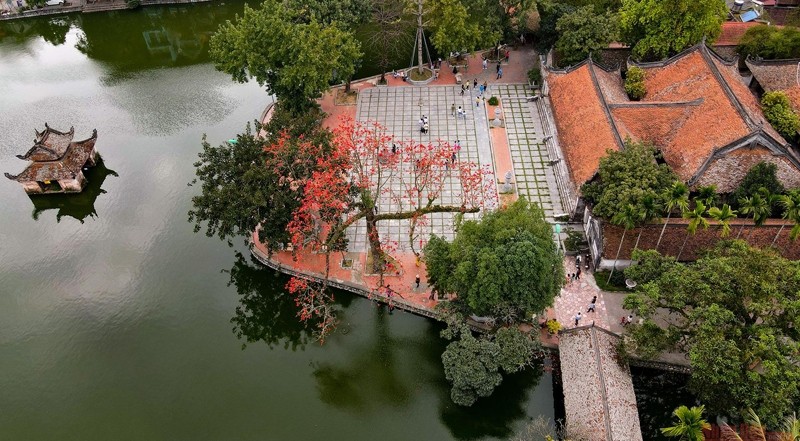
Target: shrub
(779, 113)
(762, 175)
(493, 101)
(634, 84)
(574, 241)
(553, 326)
(535, 76)
(770, 42)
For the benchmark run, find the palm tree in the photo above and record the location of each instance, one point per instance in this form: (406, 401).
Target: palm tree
(790, 430)
(676, 197)
(757, 205)
(696, 219)
(791, 212)
(708, 195)
(689, 423)
(627, 219)
(723, 216)
(649, 209)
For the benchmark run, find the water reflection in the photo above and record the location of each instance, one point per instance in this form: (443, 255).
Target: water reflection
(497, 415)
(370, 379)
(266, 312)
(75, 205)
(658, 393)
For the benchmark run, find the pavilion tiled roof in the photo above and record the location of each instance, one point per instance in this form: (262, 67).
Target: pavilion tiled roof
(695, 104)
(583, 120)
(783, 75)
(49, 144)
(66, 166)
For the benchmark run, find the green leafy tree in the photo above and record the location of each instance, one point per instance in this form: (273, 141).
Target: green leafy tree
(734, 313)
(676, 196)
(708, 194)
(763, 174)
(770, 42)
(507, 259)
(471, 366)
(634, 83)
(779, 113)
(551, 12)
(253, 182)
(723, 216)
(296, 61)
(689, 424)
(345, 13)
(516, 349)
(584, 31)
(625, 177)
(657, 29)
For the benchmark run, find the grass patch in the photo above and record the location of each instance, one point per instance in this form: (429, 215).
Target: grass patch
(617, 282)
(416, 76)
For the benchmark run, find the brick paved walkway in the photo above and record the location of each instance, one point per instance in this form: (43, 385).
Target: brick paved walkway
(576, 296)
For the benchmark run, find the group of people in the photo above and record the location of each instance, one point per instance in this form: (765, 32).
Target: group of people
(423, 124)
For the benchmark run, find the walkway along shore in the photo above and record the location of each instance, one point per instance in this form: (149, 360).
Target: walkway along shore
(85, 7)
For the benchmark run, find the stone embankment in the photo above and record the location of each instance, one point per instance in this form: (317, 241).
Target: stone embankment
(84, 6)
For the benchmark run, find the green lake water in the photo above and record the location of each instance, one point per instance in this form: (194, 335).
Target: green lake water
(115, 318)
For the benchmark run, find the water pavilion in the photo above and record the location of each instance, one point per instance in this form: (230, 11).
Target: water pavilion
(57, 163)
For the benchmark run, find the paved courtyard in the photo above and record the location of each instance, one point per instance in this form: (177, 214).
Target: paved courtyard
(399, 110)
(533, 173)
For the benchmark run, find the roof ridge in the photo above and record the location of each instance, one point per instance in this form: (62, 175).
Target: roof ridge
(603, 102)
(762, 62)
(728, 91)
(635, 104)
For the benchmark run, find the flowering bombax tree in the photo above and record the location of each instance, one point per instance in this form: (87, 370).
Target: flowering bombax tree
(370, 175)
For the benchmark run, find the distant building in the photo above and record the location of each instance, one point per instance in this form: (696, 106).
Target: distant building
(57, 162)
(777, 75)
(698, 111)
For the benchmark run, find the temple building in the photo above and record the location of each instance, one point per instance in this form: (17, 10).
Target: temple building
(57, 162)
(697, 111)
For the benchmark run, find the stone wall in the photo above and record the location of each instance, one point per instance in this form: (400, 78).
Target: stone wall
(675, 234)
(598, 393)
(738, 162)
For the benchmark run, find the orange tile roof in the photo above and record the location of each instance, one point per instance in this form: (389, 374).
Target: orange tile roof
(584, 129)
(732, 32)
(696, 103)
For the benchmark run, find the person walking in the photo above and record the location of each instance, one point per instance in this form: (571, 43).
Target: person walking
(578, 274)
(425, 128)
(499, 73)
(461, 112)
(485, 64)
(475, 83)
(498, 67)
(462, 90)
(394, 148)
(453, 109)
(477, 101)
(416, 280)
(592, 304)
(578, 318)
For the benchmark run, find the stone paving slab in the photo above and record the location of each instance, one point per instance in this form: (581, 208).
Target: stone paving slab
(533, 173)
(399, 110)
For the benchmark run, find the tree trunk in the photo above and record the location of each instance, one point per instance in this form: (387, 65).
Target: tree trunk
(619, 248)
(778, 234)
(420, 35)
(662, 230)
(740, 231)
(378, 258)
(636, 245)
(347, 85)
(684, 244)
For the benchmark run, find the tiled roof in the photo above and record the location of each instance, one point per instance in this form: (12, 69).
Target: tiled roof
(49, 145)
(778, 75)
(65, 167)
(584, 127)
(696, 103)
(732, 32)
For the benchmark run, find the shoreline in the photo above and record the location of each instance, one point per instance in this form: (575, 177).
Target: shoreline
(85, 8)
